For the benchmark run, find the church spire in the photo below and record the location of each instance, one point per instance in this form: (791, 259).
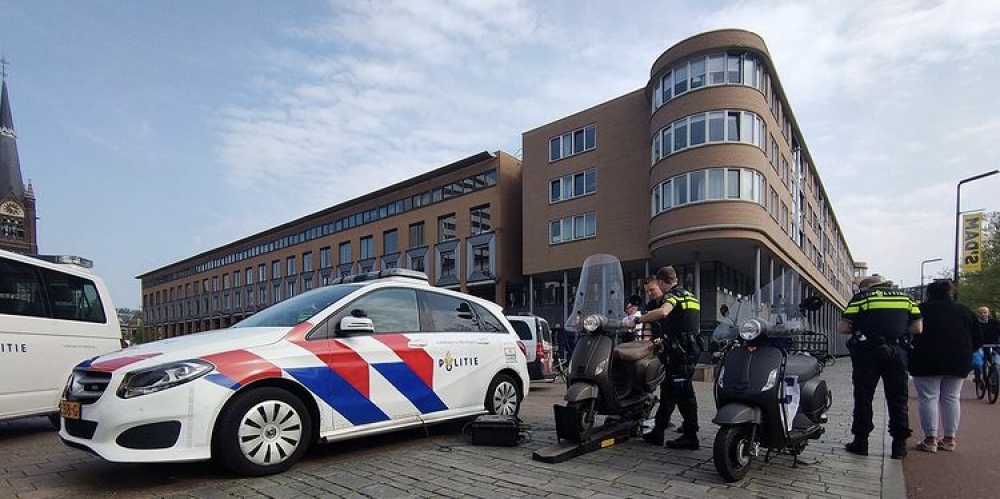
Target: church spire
(10, 166)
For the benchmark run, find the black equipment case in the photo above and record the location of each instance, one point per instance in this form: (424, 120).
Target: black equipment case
(494, 430)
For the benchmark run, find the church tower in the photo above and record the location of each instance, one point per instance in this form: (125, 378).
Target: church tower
(17, 200)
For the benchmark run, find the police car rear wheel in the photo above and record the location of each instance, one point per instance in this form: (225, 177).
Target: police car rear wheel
(262, 432)
(503, 396)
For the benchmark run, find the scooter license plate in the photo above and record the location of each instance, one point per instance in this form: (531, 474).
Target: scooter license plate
(69, 409)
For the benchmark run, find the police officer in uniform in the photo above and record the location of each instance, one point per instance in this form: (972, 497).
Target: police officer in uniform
(879, 320)
(677, 314)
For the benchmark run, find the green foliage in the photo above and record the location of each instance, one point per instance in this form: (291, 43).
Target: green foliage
(983, 289)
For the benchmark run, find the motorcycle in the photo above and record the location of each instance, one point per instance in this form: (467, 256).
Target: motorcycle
(766, 394)
(606, 376)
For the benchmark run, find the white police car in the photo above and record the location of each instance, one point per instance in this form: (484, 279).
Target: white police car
(367, 355)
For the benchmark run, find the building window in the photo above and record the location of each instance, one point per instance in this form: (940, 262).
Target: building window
(291, 289)
(416, 235)
(225, 285)
(729, 183)
(277, 293)
(417, 263)
(707, 128)
(711, 69)
(236, 279)
(389, 242)
(275, 269)
(291, 265)
(573, 228)
(261, 273)
(345, 253)
(215, 284)
(572, 143)
(479, 220)
(447, 264)
(324, 257)
(367, 247)
(573, 185)
(446, 227)
(307, 262)
(481, 258)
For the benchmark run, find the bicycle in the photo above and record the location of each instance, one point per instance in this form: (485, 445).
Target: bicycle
(988, 382)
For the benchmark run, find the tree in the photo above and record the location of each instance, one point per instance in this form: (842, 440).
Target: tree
(983, 288)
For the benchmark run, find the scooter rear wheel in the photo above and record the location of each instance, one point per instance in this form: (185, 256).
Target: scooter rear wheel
(732, 452)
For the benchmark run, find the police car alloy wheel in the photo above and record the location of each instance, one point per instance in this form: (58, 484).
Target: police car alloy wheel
(263, 431)
(503, 396)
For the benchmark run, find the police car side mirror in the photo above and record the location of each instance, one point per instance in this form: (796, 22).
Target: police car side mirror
(355, 325)
(724, 309)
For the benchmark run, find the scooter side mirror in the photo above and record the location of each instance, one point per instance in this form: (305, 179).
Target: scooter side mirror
(812, 303)
(724, 310)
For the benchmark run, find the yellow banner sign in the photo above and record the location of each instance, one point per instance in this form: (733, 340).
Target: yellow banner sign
(972, 246)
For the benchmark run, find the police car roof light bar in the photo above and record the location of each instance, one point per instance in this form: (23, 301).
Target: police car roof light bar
(79, 261)
(381, 274)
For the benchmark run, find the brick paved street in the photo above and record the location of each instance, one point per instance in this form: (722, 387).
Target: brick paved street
(441, 464)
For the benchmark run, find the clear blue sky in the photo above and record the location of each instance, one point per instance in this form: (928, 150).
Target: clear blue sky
(152, 131)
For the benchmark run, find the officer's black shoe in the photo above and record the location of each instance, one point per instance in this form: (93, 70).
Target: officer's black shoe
(898, 448)
(858, 446)
(655, 437)
(689, 442)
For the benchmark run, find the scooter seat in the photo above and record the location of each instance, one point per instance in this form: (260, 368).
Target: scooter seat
(805, 367)
(634, 351)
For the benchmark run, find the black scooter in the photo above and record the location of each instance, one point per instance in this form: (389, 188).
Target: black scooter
(606, 376)
(766, 396)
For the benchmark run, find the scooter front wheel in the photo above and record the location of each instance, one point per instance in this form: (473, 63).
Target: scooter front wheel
(585, 414)
(733, 452)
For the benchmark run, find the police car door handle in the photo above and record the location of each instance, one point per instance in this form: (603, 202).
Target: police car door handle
(417, 344)
(483, 341)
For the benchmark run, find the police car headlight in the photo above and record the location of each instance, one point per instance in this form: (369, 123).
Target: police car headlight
(162, 377)
(751, 329)
(592, 323)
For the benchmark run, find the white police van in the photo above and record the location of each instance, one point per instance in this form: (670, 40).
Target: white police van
(52, 316)
(365, 355)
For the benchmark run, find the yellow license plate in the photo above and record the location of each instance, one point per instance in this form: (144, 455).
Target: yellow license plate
(69, 410)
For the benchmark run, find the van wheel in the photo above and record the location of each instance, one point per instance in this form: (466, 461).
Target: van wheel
(262, 432)
(503, 397)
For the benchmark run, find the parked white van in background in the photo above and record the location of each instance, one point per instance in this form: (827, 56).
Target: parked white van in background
(52, 317)
(537, 338)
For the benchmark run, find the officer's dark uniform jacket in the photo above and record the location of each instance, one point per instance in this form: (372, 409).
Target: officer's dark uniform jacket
(679, 329)
(880, 316)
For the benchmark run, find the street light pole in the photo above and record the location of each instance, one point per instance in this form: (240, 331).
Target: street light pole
(923, 291)
(958, 214)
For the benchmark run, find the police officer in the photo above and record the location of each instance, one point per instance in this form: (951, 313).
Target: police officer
(880, 319)
(678, 314)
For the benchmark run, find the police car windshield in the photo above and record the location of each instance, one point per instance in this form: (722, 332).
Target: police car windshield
(299, 308)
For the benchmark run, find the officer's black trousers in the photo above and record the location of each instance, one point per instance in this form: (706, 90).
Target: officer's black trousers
(887, 362)
(677, 390)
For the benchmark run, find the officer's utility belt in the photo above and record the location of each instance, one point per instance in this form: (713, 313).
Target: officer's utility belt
(879, 341)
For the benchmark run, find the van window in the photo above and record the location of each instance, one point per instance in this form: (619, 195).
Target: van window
(523, 329)
(56, 295)
(20, 290)
(546, 332)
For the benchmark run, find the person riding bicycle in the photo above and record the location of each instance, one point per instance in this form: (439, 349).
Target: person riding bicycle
(989, 328)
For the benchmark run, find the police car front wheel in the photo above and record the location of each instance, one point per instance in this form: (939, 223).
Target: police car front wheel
(503, 396)
(262, 432)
